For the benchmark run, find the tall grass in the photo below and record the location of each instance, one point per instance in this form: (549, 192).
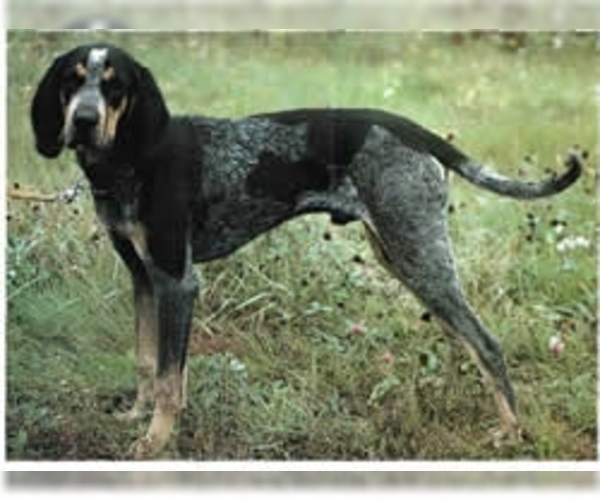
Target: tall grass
(302, 346)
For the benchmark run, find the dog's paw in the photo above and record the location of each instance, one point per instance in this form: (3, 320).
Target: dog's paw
(144, 448)
(503, 437)
(156, 438)
(147, 447)
(129, 416)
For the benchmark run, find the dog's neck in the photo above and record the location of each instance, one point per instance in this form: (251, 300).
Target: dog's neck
(115, 185)
(109, 176)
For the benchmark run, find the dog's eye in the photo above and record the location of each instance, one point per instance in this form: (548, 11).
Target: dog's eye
(71, 83)
(114, 92)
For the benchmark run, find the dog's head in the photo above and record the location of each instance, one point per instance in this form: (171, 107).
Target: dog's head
(97, 97)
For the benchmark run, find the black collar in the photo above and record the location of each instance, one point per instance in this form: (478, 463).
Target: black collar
(122, 186)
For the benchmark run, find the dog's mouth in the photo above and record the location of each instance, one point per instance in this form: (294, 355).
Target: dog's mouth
(80, 139)
(87, 137)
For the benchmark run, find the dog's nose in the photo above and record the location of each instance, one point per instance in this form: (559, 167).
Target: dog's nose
(86, 117)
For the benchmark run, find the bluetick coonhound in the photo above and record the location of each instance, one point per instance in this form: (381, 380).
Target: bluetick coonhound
(176, 190)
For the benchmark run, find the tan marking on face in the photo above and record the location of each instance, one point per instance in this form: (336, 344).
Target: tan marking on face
(102, 120)
(113, 115)
(68, 113)
(80, 70)
(69, 109)
(109, 74)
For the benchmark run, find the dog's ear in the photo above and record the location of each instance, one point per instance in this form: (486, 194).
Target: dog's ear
(149, 114)
(46, 111)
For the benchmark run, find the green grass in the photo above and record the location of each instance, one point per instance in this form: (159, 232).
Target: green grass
(278, 367)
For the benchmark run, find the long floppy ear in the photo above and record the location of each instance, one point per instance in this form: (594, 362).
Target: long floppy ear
(149, 114)
(46, 113)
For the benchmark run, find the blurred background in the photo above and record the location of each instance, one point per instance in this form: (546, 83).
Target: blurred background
(314, 14)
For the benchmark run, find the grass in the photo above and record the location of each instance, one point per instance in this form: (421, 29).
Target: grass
(302, 347)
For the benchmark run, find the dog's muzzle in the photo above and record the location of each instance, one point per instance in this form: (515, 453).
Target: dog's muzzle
(84, 119)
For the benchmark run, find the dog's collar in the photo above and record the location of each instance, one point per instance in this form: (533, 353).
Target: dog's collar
(119, 201)
(101, 193)
(122, 188)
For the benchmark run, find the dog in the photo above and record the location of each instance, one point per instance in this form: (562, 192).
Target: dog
(173, 191)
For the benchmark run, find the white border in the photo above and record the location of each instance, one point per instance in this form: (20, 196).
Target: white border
(250, 466)
(3, 233)
(328, 493)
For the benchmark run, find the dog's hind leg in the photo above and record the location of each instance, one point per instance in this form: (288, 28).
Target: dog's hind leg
(425, 266)
(406, 199)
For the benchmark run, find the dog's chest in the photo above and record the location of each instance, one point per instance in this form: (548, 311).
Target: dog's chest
(121, 219)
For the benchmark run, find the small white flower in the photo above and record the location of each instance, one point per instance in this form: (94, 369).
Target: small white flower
(237, 366)
(572, 243)
(556, 346)
(557, 42)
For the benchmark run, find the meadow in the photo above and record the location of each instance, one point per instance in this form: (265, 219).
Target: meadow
(303, 347)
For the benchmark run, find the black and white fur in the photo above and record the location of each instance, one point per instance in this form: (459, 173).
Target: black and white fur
(176, 190)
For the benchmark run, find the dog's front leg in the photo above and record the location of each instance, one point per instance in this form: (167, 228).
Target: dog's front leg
(145, 328)
(146, 351)
(173, 301)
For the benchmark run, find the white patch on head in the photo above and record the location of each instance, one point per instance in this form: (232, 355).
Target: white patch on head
(97, 57)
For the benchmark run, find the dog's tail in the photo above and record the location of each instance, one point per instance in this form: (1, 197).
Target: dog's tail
(454, 159)
(481, 176)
